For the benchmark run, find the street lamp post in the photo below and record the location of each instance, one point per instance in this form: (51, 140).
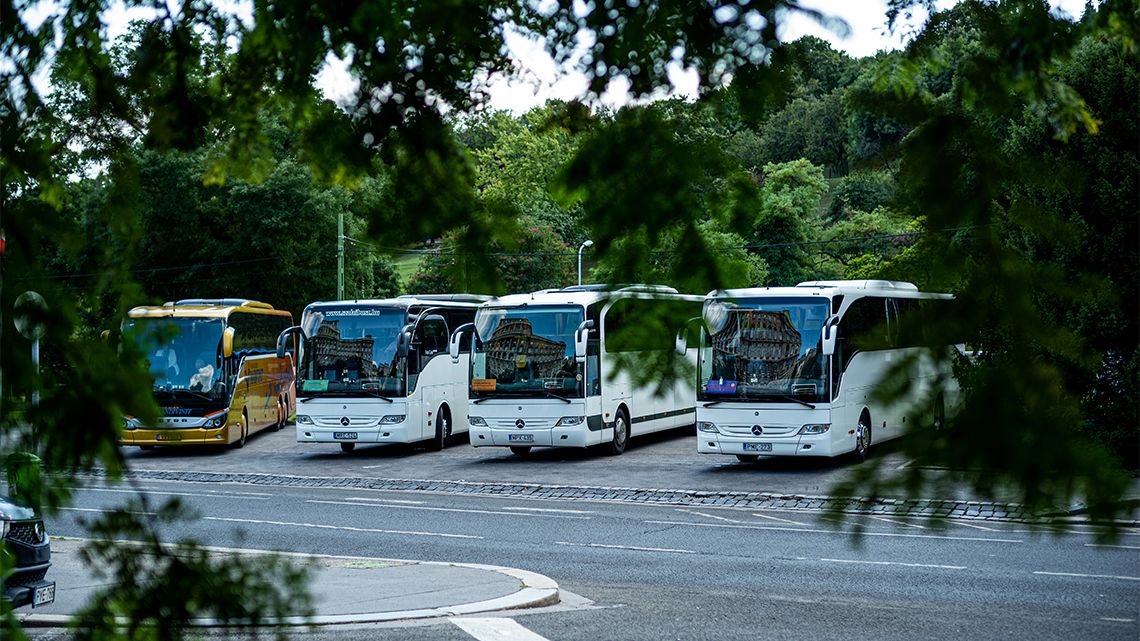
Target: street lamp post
(584, 245)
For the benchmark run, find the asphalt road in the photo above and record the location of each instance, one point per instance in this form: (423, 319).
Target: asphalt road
(651, 572)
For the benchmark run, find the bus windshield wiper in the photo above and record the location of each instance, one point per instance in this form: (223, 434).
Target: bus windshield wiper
(793, 399)
(553, 395)
(711, 403)
(184, 391)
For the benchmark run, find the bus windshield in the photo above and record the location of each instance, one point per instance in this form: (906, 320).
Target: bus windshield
(764, 349)
(526, 351)
(182, 353)
(351, 351)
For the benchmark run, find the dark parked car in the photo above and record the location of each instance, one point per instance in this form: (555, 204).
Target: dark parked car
(26, 542)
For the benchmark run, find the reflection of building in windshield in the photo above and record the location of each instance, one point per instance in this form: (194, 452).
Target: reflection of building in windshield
(346, 358)
(514, 348)
(757, 347)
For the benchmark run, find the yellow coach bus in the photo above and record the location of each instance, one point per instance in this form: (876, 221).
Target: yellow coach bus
(217, 376)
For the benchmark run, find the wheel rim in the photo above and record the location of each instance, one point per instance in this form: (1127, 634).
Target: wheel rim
(621, 433)
(862, 438)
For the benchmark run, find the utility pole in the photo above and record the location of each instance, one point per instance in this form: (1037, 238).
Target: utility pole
(340, 256)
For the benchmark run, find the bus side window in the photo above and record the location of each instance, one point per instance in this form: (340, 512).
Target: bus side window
(593, 376)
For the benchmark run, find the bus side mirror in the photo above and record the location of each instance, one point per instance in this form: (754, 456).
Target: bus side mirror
(454, 347)
(681, 344)
(405, 342)
(828, 334)
(283, 339)
(105, 336)
(228, 342)
(581, 335)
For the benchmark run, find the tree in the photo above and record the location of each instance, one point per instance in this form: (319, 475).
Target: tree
(789, 213)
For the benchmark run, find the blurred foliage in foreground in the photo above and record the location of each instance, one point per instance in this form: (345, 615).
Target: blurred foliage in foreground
(1009, 135)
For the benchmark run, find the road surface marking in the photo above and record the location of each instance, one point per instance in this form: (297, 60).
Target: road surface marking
(364, 498)
(89, 509)
(765, 516)
(907, 464)
(551, 510)
(624, 547)
(452, 509)
(498, 629)
(772, 528)
(886, 520)
(1091, 576)
(1115, 620)
(898, 563)
(212, 495)
(711, 516)
(976, 527)
(1105, 545)
(321, 526)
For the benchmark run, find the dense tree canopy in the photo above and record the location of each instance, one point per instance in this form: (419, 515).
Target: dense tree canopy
(1003, 141)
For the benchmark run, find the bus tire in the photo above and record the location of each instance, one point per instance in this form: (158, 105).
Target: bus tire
(347, 447)
(240, 443)
(621, 433)
(862, 437)
(442, 430)
(280, 424)
(519, 450)
(748, 458)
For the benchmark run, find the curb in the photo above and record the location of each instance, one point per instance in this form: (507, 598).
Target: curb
(536, 591)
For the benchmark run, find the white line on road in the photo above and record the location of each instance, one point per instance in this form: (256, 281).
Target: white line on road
(898, 563)
(710, 516)
(1105, 545)
(364, 498)
(772, 528)
(543, 509)
(212, 495)
(498, 629)
(1115, 620)
(765, 516)
(886, 520)
(88, 509)
(624, 547)
(452, 509)
(976, 527)
(1091, 576)
(321, 526)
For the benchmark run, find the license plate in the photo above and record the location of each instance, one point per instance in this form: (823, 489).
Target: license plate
(757, 447)
(345, 436)
(168, 436)
(43, 595)
(520, 438)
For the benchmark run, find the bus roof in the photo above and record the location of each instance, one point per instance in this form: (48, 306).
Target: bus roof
(202, 308)
(829, 288)
(406, 301)
(586, 294)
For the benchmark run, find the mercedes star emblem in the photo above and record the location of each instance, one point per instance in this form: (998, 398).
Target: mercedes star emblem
(344, 421)
(757, 430)
(520, 424)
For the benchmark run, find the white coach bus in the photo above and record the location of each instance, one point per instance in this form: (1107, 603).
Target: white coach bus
(377, 371)
(543, 367)
(791, 371)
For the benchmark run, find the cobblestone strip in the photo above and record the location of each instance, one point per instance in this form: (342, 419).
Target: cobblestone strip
(927, 508)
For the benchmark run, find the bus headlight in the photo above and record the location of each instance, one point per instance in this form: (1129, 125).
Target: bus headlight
(477, 421)
(569, 420)
(218, 421)
(304, 419)
(820, 428)
(131, 423)
(392, 419)
(706, 426)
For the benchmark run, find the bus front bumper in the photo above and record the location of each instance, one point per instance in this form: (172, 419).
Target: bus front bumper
(713, 443)
(576, 436)
(184, 436)
(395, 433)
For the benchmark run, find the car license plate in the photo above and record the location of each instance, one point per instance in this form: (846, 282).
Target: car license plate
(757, 447)
(345, 436)
(43, 595)
(520, 438)
(168, 436)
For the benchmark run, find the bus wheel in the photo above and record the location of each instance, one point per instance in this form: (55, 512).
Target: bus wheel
(621, 433)
(519, 451)
(347, 447)
(862, 438)
(939, 418)
(442, 431)
(240, 443)
(280, 424)
(748, 458)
